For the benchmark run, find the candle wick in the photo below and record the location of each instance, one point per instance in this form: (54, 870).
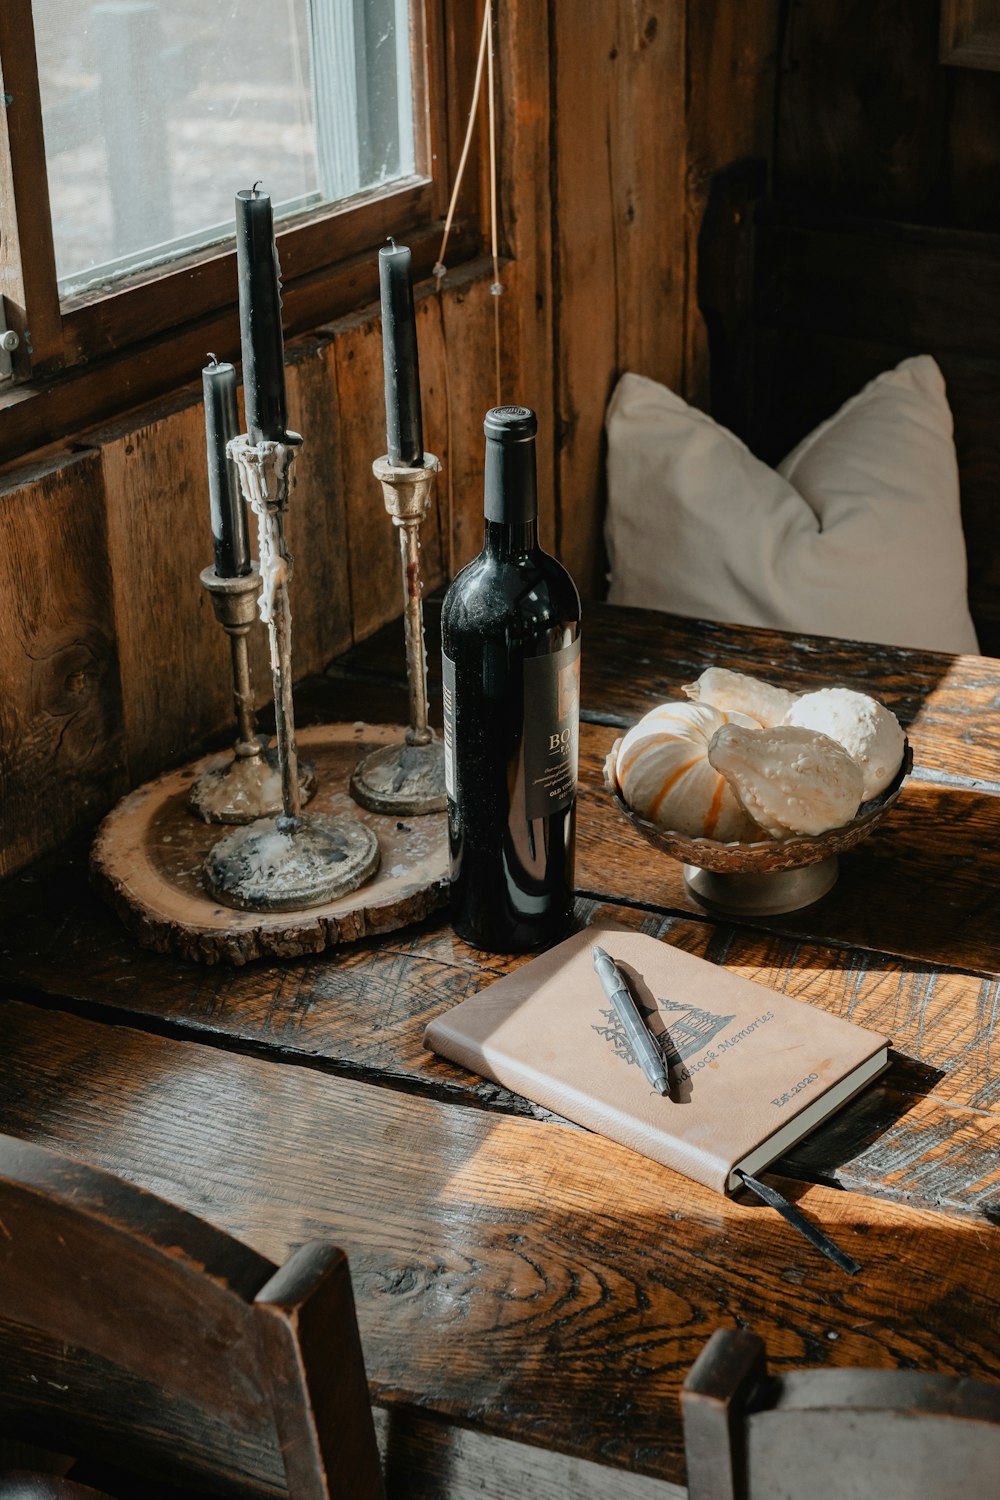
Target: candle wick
(392, 242)
(256, 186)
(214, 358)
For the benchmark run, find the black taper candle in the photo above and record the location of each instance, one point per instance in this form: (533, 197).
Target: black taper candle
(403, 424)
(229, 519)
(260, 318)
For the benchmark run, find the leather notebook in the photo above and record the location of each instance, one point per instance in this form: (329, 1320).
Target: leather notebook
(751, 1072)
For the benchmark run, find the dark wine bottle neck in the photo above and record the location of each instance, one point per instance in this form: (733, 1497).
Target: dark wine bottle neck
(501, 539)
(510, 495)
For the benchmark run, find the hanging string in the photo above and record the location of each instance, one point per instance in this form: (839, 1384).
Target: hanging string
(484, 60)
(440, 267)
(496, 287)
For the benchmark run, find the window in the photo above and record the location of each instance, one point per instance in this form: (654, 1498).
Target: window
(155, 113)
(130, 125)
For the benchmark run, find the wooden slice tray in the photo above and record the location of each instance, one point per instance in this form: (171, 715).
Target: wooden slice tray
(149, 852)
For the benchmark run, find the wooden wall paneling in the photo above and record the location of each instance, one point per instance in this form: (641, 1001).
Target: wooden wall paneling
(731, 67)
(317, 511)
(619, 251)
(928, 289)
(527, 211)
(646, 159)
(373, 552)
(972, 394)
(176, 683)
(863, 108)
(359, 528)
(433, 404)
(588, 48)
(62, 757)
(466, 313)
(974, 149)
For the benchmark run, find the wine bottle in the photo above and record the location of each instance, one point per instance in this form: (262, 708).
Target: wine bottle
(510, 634)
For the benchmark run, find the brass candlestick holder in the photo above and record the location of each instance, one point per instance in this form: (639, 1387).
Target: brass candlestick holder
(407, 779)
(295, 860)
(247, 787)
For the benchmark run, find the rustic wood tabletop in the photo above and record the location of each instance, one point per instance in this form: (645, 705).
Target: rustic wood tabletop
(524, 1287)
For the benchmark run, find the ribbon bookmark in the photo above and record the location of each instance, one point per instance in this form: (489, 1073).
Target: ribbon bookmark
(805, 1227)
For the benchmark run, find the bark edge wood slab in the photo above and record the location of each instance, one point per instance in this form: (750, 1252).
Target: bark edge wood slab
(147, 859)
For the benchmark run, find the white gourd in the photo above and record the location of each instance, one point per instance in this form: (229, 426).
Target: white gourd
(663, 772)
(791, 780)
(868, 731)
(737, 692)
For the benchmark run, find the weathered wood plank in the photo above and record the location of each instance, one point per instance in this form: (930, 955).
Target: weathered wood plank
(973, 130)
(908, 1149)
(467, 330)
(620, 280)
(433, 401)
(317, 513)
(363, 534)
(527, 41)
(372, 549)
(863, 107)
(365, 1006)
(62, 755)
(426, 1459)
(730, 101)
(535, 1282)
(362, 1010)
(883, 282)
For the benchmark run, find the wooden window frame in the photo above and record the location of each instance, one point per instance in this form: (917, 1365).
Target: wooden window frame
(88, 358)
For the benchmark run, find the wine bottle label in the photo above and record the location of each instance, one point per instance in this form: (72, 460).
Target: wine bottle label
(551, 730)
(448, 693)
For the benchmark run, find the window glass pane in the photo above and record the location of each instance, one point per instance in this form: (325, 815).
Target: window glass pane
(157, 111)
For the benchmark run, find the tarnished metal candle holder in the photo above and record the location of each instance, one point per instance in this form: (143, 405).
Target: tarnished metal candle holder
(248, 786)
(295, 860)
(407, 779)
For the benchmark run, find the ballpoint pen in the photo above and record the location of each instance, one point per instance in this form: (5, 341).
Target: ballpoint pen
(647, 1053)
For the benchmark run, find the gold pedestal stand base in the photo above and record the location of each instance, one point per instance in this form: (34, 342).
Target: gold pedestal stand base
(764, 894)
(407, 780)
(246, 789)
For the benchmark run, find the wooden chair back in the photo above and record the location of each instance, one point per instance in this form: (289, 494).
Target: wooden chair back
(839, 1434)
(137, 1334)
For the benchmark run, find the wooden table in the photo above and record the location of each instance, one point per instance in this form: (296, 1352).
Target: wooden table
(531, 1296)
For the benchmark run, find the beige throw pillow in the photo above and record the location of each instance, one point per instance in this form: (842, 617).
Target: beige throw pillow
(856, 534)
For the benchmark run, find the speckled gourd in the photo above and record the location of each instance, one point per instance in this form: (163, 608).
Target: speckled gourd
(664, 775)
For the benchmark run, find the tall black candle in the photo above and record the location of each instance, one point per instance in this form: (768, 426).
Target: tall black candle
(403, 425)
(229, 520)
(260, 318)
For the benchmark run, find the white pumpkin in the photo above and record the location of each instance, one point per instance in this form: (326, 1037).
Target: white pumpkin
(663, 772)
